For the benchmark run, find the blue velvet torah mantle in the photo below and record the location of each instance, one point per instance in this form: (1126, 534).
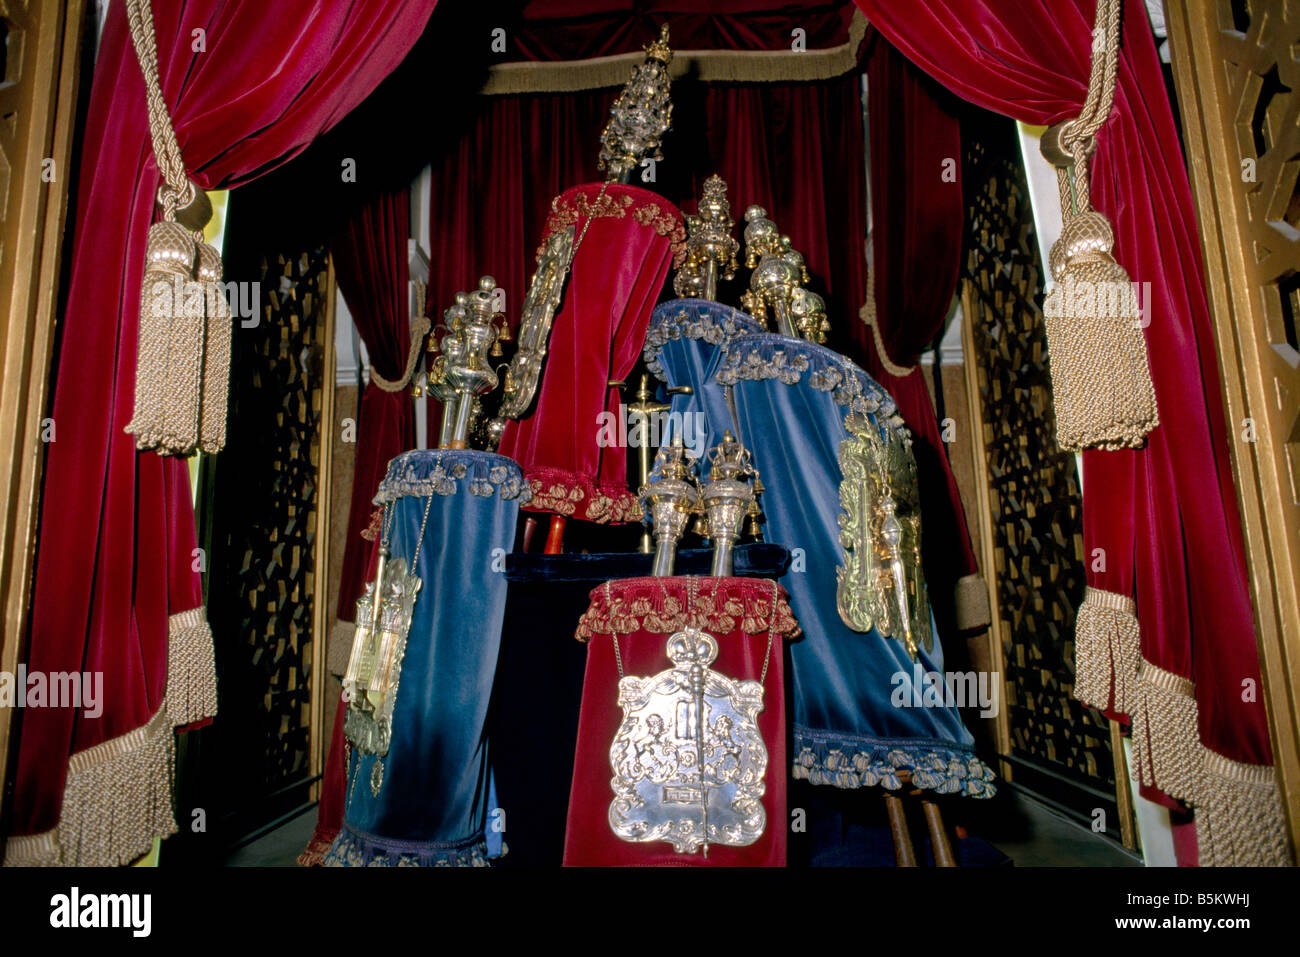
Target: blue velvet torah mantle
(682, 345)
(860, 715)
(436, 797)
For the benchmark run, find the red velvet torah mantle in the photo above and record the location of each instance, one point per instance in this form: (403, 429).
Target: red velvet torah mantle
(625, 240)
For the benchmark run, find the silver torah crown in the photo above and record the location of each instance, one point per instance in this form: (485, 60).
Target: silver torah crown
(671, 496)
(726, 498)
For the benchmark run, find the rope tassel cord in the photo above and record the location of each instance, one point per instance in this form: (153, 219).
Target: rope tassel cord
(1101, 380)
(169, 262)
(183, 355)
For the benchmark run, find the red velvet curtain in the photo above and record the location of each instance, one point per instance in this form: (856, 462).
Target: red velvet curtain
(784, 147)
(788, 148)
(1161, 523)
(117, 528)
(370, 261)
(917, 220)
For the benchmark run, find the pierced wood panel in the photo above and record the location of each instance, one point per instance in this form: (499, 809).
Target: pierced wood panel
(263, 527)
(1034, 494)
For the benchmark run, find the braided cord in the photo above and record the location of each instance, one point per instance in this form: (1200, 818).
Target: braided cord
(1079, 137)
(166, 149)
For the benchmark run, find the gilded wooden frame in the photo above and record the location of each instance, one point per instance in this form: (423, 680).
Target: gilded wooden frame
(38, 98)
(1241, 136)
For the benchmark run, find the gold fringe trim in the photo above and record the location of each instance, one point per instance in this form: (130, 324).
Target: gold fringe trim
(191, 670)
(116, 800)
(707, 66)
(1239, 816)
(32, 850)
(1107, 647)
(314, 854)
(971, 595)
(1166, 737)
(1237, 806)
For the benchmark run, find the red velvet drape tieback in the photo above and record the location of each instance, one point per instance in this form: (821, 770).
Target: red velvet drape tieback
(625, 240)
(1162, 531)
(183, 351)
(115, 591)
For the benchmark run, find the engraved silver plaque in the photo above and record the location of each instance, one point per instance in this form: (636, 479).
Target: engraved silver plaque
(688, 759)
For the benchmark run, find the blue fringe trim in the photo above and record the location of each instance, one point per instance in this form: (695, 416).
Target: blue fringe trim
(354, 848)
(425, 472)
(766, 355)
(846, 761)
(693, 319)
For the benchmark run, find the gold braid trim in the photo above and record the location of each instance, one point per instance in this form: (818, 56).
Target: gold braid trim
(1237, 806)
(117, 798)
(32, 850)
(708, 66)
(1107, 646)
(1166, 737)
(566, 212)
(313, 854)
(191, 671)
(869, 318)
(1239, 815)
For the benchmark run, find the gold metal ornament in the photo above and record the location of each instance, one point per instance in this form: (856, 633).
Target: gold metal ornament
(881, 583)
(727, 498)
(710, 249)
(779, 282)
(642, 412)
(671, 496)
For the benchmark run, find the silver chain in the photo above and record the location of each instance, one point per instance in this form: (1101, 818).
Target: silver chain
(771, 627)
(618, 657)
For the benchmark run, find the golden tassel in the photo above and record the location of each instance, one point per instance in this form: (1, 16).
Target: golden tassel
(169, 263)
(216, 352)
(1101, 381)
(184, 374)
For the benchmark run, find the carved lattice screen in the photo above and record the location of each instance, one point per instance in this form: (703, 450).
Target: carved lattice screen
(1059, 746)
(260, 522)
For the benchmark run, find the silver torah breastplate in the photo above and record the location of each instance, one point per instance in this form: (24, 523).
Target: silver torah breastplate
(688, 759)
(375, 666)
